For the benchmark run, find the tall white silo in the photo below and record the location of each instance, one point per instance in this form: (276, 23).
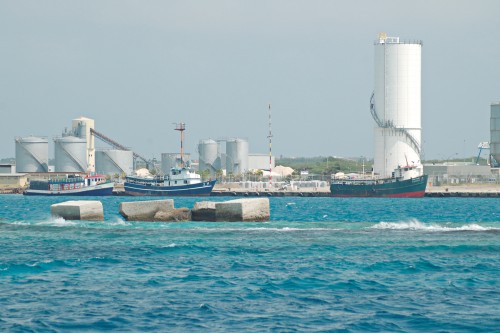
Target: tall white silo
(396, 104)
(236, 156)
(495, 135)
(81, 128)
(70, 154)
(32, 154)
(208, 156)
(114, 161)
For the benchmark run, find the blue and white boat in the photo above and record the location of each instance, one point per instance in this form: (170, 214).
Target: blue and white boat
(72, 185)
(180, 182)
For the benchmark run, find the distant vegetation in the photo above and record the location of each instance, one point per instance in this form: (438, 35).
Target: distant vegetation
(326, 165)
(331, 165)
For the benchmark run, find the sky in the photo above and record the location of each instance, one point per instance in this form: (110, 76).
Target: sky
(138, 67)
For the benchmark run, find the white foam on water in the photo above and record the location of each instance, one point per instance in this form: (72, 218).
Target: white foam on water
(417, 225)
(57, 222)
(262, 229)
(117, 221)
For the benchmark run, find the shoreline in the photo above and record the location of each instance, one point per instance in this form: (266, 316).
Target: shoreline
(469, 190)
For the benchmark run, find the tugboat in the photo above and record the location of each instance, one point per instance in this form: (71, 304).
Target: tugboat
(73, 185)
(405, 182)
(181, 181)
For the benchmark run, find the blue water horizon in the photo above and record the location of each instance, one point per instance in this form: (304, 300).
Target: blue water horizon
(319, 264)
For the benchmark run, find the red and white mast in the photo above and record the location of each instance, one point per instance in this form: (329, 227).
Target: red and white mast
(270, 136)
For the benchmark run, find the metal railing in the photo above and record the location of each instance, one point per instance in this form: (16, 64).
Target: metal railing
(389, 124)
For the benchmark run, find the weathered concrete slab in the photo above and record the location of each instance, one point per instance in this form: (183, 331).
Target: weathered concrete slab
(204, 211)
(90, 210)
(175, 215)
(244, 210)
(145, 210)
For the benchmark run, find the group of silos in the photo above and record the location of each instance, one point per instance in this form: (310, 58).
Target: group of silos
(74, 151)
(227, 154)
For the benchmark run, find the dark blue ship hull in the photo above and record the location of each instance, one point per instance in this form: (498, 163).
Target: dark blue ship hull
(200, 189)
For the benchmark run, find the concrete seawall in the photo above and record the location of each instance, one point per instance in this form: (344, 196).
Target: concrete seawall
(471, 190)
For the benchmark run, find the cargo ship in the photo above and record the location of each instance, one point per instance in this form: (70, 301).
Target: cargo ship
(72, 185)
(405, 182)
(180, 182)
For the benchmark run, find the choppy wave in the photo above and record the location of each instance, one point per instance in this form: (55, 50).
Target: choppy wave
(262, 229)
(323, 265)
(417, 225)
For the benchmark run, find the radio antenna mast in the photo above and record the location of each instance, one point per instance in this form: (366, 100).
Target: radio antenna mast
(270, 136)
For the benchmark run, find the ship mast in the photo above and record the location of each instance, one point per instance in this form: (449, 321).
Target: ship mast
(270, 151)
(181, 127)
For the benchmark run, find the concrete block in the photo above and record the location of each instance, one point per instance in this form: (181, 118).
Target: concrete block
(203, 211)
(145, 210)
(89, 210)
(175, 215)
(243, 210)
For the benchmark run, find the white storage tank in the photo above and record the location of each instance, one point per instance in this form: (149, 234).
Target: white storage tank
(32, 154)
(70, 154)
(495, 135)
(171, 160)
(396, 104)
(208, 156)
(236, 156)
(114, 161)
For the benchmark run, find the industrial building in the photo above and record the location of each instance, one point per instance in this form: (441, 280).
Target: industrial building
(13, 182)
(7, 168)
(396, 104)
(495, 137)
(260, 162)
(457, 173)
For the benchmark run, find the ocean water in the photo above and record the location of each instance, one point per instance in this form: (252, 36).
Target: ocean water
(319, 265)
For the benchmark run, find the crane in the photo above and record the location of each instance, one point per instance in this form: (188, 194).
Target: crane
(482, 146)
(115, 144)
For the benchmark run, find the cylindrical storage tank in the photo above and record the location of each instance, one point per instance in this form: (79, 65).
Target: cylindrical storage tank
(397, 103)
(70, 154)
(495, 135)
(171, 160)
(32, 154)
(236, 156)
(208, 153)
(114, 161)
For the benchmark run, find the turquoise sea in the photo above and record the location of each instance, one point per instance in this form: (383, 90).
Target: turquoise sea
(319, 265)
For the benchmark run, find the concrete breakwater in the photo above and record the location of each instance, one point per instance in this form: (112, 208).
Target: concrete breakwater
(239, 210)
